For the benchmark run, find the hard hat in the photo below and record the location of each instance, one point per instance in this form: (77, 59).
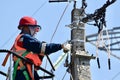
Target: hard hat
(27, 21)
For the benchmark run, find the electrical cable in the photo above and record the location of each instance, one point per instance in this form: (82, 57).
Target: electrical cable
(39, 8)
(46, 55)
(97, 46)
(109, 64)
(17, 30)
(9, 39)
(57, 27)
(117, 41)
(116, 75)
(36, 12)
(107, 47)
(64, 75)
(59, 21)
(100, 37)
(117, 58)
(71, 76)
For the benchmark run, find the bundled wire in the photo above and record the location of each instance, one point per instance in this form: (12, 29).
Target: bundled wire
(99, 18)
(100, 40)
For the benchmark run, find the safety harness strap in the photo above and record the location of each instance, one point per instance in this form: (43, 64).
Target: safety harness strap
(26, 75)
(16, 66)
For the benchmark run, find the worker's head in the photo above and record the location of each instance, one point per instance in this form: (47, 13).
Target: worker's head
(29, 25)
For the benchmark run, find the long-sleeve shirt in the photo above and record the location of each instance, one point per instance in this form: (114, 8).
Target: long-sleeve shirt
(32, 44)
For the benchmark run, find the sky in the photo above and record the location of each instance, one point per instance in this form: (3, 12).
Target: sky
(48, 15)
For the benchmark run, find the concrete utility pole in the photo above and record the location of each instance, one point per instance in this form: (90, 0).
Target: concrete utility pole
(80, 59)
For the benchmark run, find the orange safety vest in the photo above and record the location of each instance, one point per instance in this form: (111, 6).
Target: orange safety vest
(34, 57)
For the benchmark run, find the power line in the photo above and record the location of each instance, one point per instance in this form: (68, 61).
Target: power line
(17, 30)
(116, 76)
(57, 27)
(39, 8)
(59, 22)
(9, 39)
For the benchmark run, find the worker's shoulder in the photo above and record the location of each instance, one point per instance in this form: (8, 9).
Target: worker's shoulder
(28, 37)
(25, 35)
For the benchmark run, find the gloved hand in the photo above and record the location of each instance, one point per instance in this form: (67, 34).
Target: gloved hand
(66, 47)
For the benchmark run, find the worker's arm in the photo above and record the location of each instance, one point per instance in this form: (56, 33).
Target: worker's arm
(32, 44)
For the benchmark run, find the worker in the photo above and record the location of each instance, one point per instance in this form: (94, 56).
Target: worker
(28, 46)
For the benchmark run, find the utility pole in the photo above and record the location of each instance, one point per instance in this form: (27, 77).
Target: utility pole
(80, 59)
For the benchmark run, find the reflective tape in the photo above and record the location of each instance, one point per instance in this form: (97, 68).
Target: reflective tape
(43, 47)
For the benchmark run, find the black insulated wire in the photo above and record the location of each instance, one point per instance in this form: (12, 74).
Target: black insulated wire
(109, 64)
(98, 62)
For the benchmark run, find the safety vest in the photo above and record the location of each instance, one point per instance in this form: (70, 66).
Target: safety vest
(34, 57)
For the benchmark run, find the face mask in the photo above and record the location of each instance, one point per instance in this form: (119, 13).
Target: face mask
(34, 30)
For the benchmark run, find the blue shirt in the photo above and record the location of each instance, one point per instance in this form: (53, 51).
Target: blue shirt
(32, 44)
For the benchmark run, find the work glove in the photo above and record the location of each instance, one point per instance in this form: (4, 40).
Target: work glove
(66, 47)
